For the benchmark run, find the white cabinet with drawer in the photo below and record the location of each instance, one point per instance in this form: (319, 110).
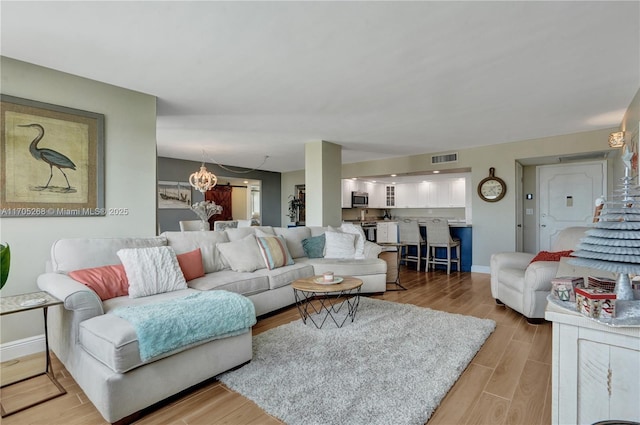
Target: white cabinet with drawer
(595, 370)
(386, 232)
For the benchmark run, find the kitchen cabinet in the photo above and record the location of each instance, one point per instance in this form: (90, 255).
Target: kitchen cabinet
(447, 193)
(407, 195)
(436, 192)
(377, 195)
(441, 194)
(375, 191)
(457, 192)
(387, 231)
(425, 194)
(348, 186)
(390, 196)
(595, 369)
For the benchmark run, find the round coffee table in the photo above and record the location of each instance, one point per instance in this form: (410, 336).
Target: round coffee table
(326, 301)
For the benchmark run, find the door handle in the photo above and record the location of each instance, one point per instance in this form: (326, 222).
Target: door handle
(543, 225)
(519, 225)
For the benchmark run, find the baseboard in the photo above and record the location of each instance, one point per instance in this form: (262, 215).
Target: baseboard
(22, 347)
(481, 269)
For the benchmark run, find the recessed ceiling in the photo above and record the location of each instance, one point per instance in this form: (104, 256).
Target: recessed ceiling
(245, 80)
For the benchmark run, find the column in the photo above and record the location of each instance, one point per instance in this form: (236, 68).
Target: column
(323, 183)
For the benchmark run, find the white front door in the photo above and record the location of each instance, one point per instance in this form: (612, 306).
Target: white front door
(567, 197)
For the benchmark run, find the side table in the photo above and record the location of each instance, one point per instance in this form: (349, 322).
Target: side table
(328, 297)
(26, 302)
(398, 247)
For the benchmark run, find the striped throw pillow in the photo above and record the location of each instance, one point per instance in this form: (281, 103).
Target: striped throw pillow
(274, 251)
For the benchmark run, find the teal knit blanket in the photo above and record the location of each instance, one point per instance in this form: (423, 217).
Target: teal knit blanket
(168, 325)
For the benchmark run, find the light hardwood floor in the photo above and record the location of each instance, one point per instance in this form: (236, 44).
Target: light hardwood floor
(508, 381)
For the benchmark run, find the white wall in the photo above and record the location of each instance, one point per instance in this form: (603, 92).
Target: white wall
(130, 177)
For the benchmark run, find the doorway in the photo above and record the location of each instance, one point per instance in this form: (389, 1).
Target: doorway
(301, 194)
(566, 197)
(241, 199)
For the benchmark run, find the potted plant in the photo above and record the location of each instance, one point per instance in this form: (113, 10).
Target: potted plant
(5, 260)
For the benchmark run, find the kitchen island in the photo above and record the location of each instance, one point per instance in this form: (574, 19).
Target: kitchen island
(458, 228)
(462, 231)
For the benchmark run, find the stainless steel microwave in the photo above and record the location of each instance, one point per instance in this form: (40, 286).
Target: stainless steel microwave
(359, 199)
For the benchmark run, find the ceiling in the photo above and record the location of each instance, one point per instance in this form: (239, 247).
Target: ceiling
(245, 80)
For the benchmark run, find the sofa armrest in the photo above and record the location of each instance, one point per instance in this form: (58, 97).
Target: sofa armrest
(79, 304)
(371, 250)
(539, 274)
(76, 296)
(510, 260)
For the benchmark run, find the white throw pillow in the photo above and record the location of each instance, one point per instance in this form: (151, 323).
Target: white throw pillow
(152, 270)
(339, 245)
(360, 238)
(242, 255)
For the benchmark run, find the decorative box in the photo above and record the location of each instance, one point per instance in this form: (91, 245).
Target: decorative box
(635, 287)
(563, 287)
(602, 283)
(596, 303)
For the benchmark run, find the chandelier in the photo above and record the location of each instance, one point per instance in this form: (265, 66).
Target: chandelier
(203, 179)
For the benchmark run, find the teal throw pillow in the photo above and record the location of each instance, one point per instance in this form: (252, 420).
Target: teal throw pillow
(314, 246)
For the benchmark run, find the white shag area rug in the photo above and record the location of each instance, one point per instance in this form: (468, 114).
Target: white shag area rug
(392, 365)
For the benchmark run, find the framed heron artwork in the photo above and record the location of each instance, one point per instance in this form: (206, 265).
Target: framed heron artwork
(52, 160)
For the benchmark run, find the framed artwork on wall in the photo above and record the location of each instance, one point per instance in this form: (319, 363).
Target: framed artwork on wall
(52, 160)
(174, 195)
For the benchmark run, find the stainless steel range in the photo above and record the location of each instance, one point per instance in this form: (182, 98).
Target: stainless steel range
(369, 228)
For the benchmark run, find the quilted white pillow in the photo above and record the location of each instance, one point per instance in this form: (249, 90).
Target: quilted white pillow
(152, 270)
(339, 245)
(360, 238)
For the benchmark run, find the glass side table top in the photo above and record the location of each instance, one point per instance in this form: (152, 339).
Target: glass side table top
(23, 302)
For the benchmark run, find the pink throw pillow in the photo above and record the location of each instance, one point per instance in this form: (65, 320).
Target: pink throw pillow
(107, 281)
(191, 264)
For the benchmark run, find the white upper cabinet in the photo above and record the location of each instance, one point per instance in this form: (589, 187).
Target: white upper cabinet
(407, 195)
(445, 193)
(376, 193)
(425, 194)
(390, 196)
(439, 191)
(458, 192)
(348, 186)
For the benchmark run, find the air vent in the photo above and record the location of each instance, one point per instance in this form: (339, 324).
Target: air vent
(447, 157)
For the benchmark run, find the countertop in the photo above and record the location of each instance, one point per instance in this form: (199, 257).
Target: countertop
(452, 223)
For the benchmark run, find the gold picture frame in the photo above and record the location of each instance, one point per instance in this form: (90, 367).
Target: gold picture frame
(52, 160)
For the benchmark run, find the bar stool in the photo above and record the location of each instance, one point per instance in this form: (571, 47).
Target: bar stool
(410, 236)
(438, 236)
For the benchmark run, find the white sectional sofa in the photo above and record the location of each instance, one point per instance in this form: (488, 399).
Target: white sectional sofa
(100, 349)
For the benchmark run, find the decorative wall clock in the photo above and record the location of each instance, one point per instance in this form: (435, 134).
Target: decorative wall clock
(492, 188)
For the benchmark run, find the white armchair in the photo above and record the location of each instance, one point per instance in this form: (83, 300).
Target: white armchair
(523, 286)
